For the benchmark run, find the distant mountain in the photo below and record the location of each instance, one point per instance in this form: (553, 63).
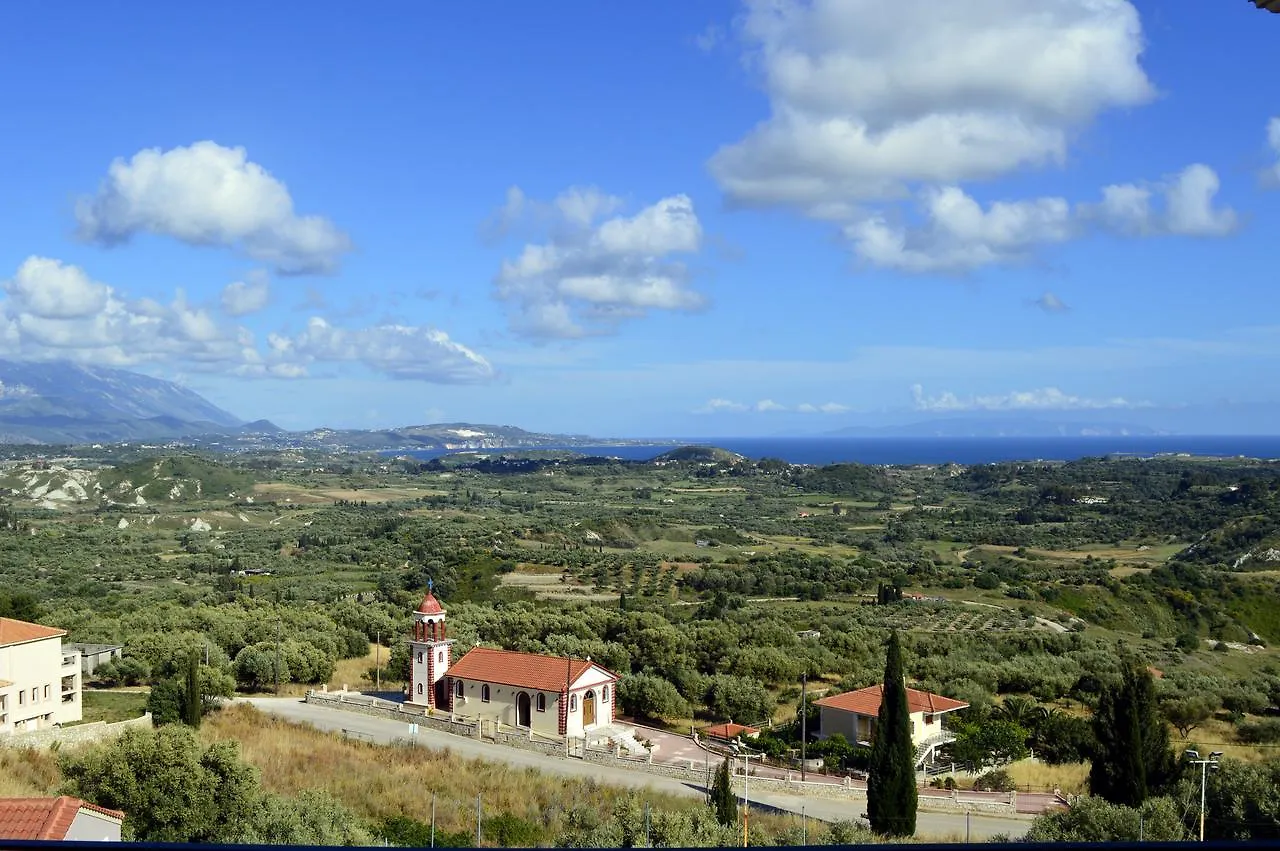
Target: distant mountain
(67, 403)
(999, 427)
(441, 436)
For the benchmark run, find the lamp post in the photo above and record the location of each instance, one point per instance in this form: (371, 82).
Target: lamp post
(746, 788)
(1193, 757)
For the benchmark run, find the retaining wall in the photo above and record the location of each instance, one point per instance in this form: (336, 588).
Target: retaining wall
(77, 734)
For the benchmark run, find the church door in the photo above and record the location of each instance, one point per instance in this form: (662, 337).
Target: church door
(522, 710)
(589, 709)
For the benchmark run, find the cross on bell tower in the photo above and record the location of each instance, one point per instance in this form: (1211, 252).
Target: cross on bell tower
(431, 652)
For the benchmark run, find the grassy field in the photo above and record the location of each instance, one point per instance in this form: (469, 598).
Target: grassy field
(112, 706)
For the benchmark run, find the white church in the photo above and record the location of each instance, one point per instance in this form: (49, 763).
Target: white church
(551, 695)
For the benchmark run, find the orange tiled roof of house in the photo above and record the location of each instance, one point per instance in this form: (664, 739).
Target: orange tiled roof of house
(17, 632)
(44, 818)
(729, 731)
(526, 670)
(866, 701)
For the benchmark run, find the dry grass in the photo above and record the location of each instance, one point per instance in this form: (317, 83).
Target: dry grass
(28, 773)
(377, 782)
(1072, 779)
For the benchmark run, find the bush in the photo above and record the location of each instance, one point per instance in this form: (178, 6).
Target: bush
(997, 780)
(1264, 731)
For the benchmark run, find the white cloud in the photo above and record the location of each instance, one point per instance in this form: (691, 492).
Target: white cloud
(1043, 399)
(768, 405)
(721, 406)
(241, 298)
(1187, 207)
(207, 194)
(590, 275)
(825, 408)
(869, 98)
(55, 311)
(960, 235)
(1050, 303)
(1272, 174)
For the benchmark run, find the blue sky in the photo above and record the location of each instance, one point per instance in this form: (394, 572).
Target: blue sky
(699, 219)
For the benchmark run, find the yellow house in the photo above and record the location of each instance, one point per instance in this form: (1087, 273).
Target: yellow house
(39, 681)
(854, 713)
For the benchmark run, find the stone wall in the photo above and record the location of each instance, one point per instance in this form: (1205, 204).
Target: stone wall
(77, 734)
(396, 711)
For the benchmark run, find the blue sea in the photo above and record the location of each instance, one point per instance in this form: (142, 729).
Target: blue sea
(941, 450)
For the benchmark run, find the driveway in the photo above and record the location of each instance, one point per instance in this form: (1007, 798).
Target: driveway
(387, 731)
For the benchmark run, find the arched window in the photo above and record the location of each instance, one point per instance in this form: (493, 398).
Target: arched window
(457, 688)
(604, 694)
(440, 657)
(419, 688)
(542, 703)
(419, 657)
(573, 703)
(484, 692)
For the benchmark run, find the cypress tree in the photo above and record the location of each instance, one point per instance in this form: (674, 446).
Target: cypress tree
(1131, 758)
(723, 802)
(193, 700)
(891, 784)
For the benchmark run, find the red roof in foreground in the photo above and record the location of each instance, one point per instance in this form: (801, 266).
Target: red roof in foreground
(430, 605)
(17, 632)
(525, 670)
(866, 701)
(44, 818)
(729, 731)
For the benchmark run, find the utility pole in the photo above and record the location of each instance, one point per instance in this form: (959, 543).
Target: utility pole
(477, 820)
(377, 665)
(804, 720)
(1194, 758)
(277, 658)
(746, 792)
(433, 819)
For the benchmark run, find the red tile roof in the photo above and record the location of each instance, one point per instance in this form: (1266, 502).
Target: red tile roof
(430, 605)
(525, 670)
(18, 632)
(866, 701)
(44, 818)
(729, 731)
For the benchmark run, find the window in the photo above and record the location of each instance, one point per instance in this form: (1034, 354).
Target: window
(440, 657)
(457, 688)
(542, 703)
(604, 695)
(419, 688)
(35, 695)
(22, 698)
(573, 703)
(928, 719)
(419, 657)
(484, 692)
(46, 692)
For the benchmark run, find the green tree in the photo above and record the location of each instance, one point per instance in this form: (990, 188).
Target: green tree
(723, 802)
(193, 697)
(165, 702)
(1093, 819)
(1131, 756)
(651, 696)
(891, 785)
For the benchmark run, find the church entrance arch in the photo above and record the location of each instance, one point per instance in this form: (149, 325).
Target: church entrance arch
(589, 708)
(522, 710)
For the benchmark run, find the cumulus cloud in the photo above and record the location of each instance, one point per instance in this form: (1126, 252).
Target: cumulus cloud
(1186, 208)
(869, 98)
(721, 406)
(825, 408)
(209, 195)
(1272, 175)
(590, 274)
(1050, 303)
(1043, 399)
(957, 234)
(240, 298)
(768, 406)
(56, 311)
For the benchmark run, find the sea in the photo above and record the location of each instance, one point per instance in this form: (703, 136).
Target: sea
(936, 450)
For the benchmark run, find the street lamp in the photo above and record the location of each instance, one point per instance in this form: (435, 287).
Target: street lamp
(1193, 758)
(747, 756)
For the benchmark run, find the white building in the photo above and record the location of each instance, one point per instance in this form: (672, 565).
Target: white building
(854, 713)
(551, 695)
(39, 682)
(63, 818)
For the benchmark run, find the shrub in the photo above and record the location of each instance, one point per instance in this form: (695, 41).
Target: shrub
(997, 780)
(1263, 731)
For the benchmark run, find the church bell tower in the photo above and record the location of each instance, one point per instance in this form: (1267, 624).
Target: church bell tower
(430, 654)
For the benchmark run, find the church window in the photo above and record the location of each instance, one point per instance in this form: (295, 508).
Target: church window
(542, 703)
(604, 695)
(440, 657)
(484, 692)
(419, 657)
(573, 703)
(419, 688)
(457, 688)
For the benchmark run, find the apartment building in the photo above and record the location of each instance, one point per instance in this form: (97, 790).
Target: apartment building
(39, 681)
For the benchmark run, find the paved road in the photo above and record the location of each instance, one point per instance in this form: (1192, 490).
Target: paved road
(386, 730)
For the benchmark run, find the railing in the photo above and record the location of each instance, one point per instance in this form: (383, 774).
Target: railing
(932, 743)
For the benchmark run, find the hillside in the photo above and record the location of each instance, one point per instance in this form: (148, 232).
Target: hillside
(69, 403)
(177, 478)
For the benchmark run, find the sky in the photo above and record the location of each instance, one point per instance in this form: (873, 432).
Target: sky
(717, 218)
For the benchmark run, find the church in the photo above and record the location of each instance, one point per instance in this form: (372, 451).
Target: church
(551, 695)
